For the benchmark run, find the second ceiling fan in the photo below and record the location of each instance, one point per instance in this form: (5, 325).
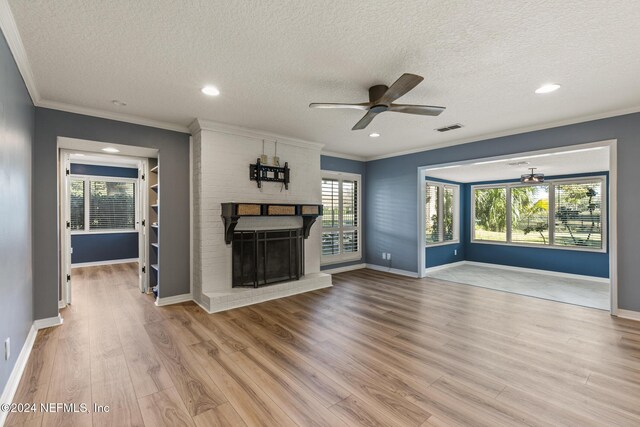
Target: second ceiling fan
(381, 99)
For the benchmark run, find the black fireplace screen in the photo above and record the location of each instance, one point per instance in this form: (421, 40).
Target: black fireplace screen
(265, 257)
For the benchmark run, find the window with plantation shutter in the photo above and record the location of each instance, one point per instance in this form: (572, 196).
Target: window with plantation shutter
(432, 216)
(578, 214)
(77, 204)
(565, 213)
(441, 212)
(341, 217)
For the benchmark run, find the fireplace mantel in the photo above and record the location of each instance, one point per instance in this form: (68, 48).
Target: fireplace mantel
(232, 212)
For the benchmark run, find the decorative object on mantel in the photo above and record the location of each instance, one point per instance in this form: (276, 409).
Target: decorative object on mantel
(231, 213)
(259, 173)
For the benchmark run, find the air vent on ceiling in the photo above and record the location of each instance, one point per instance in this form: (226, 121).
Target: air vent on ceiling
(450, 127)
(522, 163)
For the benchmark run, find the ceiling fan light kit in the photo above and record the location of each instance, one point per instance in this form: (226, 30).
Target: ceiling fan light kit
(532, 178)
(381, 99)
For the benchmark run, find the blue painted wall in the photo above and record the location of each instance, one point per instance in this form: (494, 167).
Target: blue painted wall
(17, 129)
(338, 164)
(93, 247)
(391, 188)
(97, 170)
(103, 247)
(561, 260)
(445, 254)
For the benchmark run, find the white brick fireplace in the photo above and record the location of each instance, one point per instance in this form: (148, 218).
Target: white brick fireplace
(221, 158)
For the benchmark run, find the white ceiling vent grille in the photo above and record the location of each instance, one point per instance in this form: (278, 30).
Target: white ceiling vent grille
(450, 127)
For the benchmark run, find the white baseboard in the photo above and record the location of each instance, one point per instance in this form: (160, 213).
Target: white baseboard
(392, 270)
(48, 322)
(109, 262)
(629, 314)
(16, 373)
(343, 269)
(173, 300)
(443, 266)
(61, 305)
(21, 362)
(202, 306)
(534, 270)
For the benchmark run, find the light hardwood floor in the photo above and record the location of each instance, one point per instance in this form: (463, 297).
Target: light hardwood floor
(376, 349)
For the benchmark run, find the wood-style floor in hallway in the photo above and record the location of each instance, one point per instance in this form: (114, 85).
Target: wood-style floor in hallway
(375, 349)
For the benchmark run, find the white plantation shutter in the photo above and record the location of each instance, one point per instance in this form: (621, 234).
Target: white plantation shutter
(77, 204)
(112, 205)
(330, 203)
(441, 221)
(349, 216)
(341, 217)
(330, 217)
(432, 216)
(448, 214)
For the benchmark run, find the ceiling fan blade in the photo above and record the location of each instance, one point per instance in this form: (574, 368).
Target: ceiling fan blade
(364, 121)
(404, 84)
(423, 110)
(363, 106)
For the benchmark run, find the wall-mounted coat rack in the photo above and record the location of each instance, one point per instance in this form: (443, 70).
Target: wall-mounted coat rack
(259, 173)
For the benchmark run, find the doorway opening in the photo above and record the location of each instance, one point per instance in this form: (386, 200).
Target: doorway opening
(104, 211)
(549, 233)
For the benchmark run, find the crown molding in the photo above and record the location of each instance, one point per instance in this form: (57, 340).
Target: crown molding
(12, 35)
(510, 132)
(199, 125)
(343, 156)
(128, 118)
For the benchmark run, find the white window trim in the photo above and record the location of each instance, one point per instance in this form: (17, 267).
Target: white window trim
(87, 198)
(456, 213)
(552, 201)
(342, 256)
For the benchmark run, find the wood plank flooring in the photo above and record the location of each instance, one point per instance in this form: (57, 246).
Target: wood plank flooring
(376, 350)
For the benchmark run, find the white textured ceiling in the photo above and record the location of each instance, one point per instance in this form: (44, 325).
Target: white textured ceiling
(270, 59)
(550, 164)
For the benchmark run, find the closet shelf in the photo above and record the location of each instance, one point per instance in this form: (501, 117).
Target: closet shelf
(155, 205)
(155, 245)
(155, 187)
(155, 267)
(155, 169)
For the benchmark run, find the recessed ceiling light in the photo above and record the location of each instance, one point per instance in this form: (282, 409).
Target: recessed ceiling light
(110, 150)
(210, 90)
(119, 103)
(374, 135)
(548, 88)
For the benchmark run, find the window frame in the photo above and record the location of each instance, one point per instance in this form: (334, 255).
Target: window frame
(87, 200)
(456, 213)
(342, 256)
(552, 208)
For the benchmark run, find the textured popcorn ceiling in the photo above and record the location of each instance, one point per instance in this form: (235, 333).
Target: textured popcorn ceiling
(270, 59)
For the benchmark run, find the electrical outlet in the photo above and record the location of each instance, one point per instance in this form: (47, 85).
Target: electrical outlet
(389, 255)
(7, 349)
(455, 252)
(384, 255)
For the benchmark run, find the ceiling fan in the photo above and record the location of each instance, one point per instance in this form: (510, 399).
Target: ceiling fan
(381, 99)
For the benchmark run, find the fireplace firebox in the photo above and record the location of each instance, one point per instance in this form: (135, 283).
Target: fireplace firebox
(265, 257)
